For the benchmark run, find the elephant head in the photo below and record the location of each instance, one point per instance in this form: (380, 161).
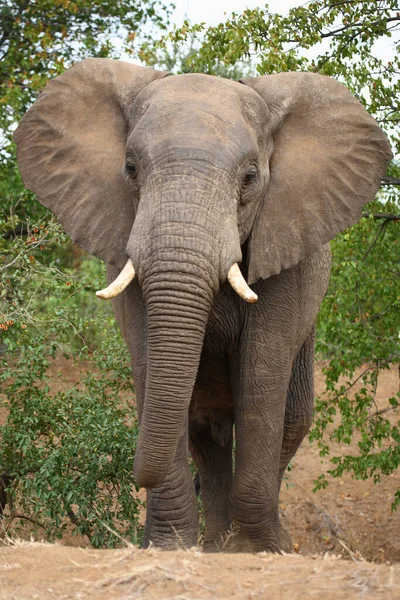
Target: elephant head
(176, 179)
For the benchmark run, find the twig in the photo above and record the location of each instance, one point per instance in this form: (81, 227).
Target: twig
(381, 412)
(18, 230)
(350, 553)
(10, 264)
(372, 368)
(5, 481)
(25, 518)
(72, 516)
(385, 216)
(380, 235)
(390, 181)
(333, 531)
(127, 544)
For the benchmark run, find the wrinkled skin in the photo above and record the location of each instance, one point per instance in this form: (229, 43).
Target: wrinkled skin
(256, 370)
(215, 173)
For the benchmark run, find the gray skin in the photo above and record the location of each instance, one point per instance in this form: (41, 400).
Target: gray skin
(256, 371)
(216, 172)
(246, 352)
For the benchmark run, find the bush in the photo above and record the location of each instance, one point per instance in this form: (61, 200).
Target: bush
(358, 327)
(66, 457)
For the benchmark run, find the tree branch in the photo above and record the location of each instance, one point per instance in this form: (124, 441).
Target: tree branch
(382, 411)
(378, 367)
(358, 27)
(390, 181)
(385, 216)
(5, 481)
(26, 518)
(18, 230)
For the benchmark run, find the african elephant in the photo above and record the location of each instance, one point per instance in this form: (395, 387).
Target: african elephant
(174, 181)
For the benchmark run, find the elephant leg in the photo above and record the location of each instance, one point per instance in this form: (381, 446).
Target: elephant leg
(211, 448)
(299, 402)
(262, 375)
(172, 519)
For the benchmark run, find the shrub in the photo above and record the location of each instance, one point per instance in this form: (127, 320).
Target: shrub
(66, 456)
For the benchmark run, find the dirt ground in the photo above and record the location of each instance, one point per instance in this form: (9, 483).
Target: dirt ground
(49, 572)
(346, 540)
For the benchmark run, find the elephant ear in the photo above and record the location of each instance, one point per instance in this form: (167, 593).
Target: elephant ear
(328, 159)
(71, 152)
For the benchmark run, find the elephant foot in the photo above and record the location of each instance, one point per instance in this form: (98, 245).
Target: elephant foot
(177, 543)
(217, 543)
(242, 539)
(284, 540)
(169, 538)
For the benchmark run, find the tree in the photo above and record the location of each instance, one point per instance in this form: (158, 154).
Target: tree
(179, 58)
(38, 40)
(65, 457)
(358, 323)
(276, 43)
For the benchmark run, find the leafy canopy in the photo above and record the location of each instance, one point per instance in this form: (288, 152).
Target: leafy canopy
(340, 39)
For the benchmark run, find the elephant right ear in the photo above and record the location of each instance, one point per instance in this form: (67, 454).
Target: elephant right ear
(71, 152)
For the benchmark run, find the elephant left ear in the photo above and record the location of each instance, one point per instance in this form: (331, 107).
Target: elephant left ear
(328, 160)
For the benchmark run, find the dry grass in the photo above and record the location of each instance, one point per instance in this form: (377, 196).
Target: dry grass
(31, 568)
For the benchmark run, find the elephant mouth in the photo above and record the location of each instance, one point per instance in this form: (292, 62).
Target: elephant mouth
(235, 278)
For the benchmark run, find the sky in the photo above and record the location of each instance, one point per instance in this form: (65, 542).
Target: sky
(212, 11)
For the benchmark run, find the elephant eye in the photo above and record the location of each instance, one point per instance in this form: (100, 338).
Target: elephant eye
(250, 175)
(130, 168)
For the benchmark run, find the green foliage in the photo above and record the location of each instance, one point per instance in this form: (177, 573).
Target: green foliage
(68, 454)
(359, 334)
(332, 38)
(38, 40)
(36, 294)
(181, 56)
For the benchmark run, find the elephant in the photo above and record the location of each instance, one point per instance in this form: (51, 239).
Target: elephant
(212, 203)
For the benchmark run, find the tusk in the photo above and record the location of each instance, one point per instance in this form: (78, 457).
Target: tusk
(239, 284)
(120, 283)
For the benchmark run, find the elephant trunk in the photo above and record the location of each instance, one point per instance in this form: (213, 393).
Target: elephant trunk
(181, 254)
(178, 306)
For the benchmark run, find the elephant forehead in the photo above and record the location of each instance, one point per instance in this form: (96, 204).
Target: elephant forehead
(196, 111)
(184, 98)
(191, 84)
(192, 133)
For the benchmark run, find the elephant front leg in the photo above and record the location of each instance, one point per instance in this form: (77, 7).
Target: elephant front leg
(172, 519)
(262, 377)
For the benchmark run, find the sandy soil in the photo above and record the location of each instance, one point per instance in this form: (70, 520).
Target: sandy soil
(335, 533)
(46, 572)
(350, 515)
